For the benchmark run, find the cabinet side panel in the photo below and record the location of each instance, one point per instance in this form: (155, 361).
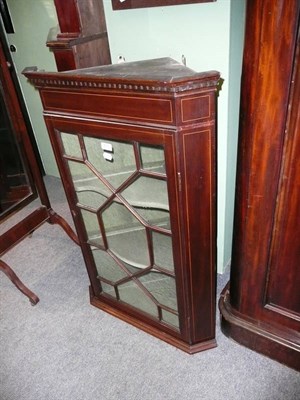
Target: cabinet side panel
(199, 191)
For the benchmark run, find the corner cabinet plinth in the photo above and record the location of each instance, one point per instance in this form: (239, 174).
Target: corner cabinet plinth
(135, 146)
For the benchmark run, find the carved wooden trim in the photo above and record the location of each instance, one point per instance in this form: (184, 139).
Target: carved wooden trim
(54, 80)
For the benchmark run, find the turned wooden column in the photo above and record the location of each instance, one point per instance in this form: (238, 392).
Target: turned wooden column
(261, 306)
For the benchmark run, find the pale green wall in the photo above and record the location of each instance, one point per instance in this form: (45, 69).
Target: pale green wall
(237, 23)
(32, 20)
(209, 35)
(203, 34)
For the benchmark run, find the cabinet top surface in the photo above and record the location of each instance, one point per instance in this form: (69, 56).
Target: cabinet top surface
(162, 74)
(162, 69)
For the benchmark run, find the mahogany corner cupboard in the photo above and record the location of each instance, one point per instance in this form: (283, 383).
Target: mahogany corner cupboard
(135, 146)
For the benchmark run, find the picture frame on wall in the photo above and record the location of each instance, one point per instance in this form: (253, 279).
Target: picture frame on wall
(128, 4)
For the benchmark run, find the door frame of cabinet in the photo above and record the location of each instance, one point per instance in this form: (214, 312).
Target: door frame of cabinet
(193, 308)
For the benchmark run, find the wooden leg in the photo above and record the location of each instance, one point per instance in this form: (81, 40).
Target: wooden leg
(16, 281)
(57, 219)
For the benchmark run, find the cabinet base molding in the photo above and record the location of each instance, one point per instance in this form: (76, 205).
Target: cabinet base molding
(279, 343)
(156, 332)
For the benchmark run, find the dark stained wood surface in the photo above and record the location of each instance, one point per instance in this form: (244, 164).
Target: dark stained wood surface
(270, 41)
(264, 283)
(83, 39)
(68, 17)
(157, 75)
(162, 69)
(283, 289)
(127, 4)
(156, 102)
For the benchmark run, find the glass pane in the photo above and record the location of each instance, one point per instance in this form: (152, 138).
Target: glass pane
(15, 186)
(155, 217)
(91, 224)
(114, 160)
(162, 248)
(170, 318)
(91, 199)
(71, 145)
(153, 158)
(126, 236)
(131, 269)
(162, 287)
(84, 179)
(116, 217)
(108, 289)
(106, 266)
(147, 192)
(131, 293)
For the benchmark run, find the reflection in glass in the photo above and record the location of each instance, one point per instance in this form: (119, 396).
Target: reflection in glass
(14, 179)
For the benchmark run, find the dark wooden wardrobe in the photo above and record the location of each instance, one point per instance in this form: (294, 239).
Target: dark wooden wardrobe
(261, 306)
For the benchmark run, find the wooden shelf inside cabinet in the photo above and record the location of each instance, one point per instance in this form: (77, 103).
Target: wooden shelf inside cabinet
(135, 146)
